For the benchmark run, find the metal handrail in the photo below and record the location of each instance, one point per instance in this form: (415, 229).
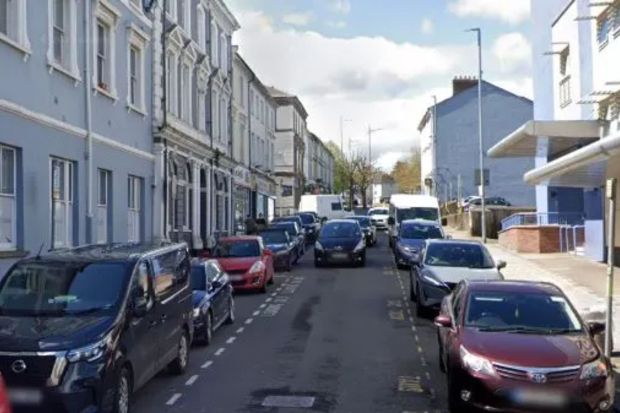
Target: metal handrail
(543, 218)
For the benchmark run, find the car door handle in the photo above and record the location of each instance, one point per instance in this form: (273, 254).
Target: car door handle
(164, 317)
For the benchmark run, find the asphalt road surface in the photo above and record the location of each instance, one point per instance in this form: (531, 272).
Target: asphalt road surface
(321, 340)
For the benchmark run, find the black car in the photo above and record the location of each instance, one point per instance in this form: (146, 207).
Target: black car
(411, 239)
(341, 241)
(212, 299)
(369, 230)
(311, 225)
(82, 329)
(296, 233)
(285, 252)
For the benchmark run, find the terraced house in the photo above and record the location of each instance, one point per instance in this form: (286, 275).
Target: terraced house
(76, 156)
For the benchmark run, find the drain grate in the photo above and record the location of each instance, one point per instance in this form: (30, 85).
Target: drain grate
(288, 401)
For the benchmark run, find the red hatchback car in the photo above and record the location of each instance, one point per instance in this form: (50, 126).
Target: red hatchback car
(246, 260)
(520, 347)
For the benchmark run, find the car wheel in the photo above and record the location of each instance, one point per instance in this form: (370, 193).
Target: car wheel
(421, 309)
(363, 261)
(123, 392)
(263, 288)
(411, 290)
(289, 265)
(231, 311)
(179, 364)
(442, 366)
(317, 263)
(455, 405)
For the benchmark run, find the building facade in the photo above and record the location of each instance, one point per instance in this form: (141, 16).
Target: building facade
(450, 150)
(576, 139)
(192, 124)
(291, 129)
(75, 124)
(318, 166)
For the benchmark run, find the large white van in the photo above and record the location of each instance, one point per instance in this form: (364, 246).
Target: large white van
(325, 206)
(404, 207)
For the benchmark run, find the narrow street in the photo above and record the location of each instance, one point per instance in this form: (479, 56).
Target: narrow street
(329, 340)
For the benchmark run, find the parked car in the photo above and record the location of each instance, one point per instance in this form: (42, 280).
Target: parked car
(491, 201)
(247, 262)
(5, 403)
(84, 328)
(369, 230)
(297, 235)
(520, 347)
(293, 218)
(411, 239)
(445, 263)
(379, 217)
(212, 299)
(280, 243)
(316, 216)
(340, 241)
(311, 226)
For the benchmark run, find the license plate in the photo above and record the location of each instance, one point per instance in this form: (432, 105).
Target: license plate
(340, 256)
(25, 396)
(539, 398)
(236, 278)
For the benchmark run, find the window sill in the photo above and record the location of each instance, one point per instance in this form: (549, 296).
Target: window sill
(616, 33)
(104, 92)
(13, 254)
(53, 66)
(136, 109)
(16, 45)
(603, 45)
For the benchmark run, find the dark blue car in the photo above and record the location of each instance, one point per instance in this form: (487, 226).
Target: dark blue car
(212, 299)
(411, 239)
(341, 241)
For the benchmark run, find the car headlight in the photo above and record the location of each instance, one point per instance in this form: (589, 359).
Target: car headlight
(196, 312)
(412, 250)
(90, 353)
(594, 370)
(360, 246)
(476, 363)
(318, 246)
(258, 266)
(432, 280)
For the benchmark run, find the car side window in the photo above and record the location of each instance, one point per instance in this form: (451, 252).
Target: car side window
(141, 284)
(213, 273)
(457, 303)
(169, 269)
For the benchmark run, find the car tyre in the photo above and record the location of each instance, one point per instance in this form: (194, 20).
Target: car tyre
(442, 366)
(421, 309)
(263, 288)
(363, 261)
(179, 364)
(122, 401)
(317, 263)
(231, 311)
(412, 295)
(455, 405)
(289, 264)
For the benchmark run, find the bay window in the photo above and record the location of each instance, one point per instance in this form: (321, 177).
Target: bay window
(103, 220)
(13, 24)
(8, 206)
(62, 191)
(104, 50)
(136, 69)
(134, 216)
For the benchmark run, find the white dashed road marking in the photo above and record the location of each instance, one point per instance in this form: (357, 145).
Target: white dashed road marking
(249, 321)
(191, 380)
(220, 351)
(255, 313)
(207, 364)
(240, 330)
(231, 340)
(173, 399)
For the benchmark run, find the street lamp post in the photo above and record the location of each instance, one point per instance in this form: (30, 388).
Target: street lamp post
(483, 218)
(342, 121)
(370, 132)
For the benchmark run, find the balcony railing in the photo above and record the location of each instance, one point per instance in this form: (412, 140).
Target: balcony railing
(543, 218)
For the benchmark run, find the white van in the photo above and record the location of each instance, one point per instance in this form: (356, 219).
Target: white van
(404, 207)
(325, 206)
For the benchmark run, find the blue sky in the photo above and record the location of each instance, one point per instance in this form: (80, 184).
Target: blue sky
(380, 62)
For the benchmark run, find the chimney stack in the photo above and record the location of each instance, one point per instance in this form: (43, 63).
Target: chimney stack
(462, 83)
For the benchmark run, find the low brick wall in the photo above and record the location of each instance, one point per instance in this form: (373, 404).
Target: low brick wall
(470, 221)
(531, 239)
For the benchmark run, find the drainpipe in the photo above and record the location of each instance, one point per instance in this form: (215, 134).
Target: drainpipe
(88, 155)
(209, 88)
(164, 106)
(252, 204)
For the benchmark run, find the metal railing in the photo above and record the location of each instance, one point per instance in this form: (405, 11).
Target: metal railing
(543, 218)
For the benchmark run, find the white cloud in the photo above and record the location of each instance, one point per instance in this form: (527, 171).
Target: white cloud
(427, 26)
(513, 52)
(298, 19)
(341, 6)
(337, 24)
(510, 11)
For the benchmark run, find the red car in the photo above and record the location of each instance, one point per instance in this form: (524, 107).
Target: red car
(246, 260)
(520, 347)
(5, 405)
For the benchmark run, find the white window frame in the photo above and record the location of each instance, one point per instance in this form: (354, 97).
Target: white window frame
(186, 20)
(17, 28)
(103, 206)
(215, 45)
(186, 91)
(137, 40)
(68, 63)
(108, 17)
(9, 242)
(66, 201)
(201, 28)
(171, 83)
(215, 114)
(172, 10)
(134, 209)
(565, 92)
(223, 121)
(223, 47)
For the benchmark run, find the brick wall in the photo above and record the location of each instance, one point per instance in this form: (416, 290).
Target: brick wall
(531, 239)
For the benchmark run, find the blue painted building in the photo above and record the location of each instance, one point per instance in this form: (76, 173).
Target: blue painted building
(450, 144)
(75, 124)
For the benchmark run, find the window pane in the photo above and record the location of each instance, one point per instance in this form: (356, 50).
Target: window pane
(8, 172)
(4, 16)
(7, 221)
(58, 180)
(103, 187)
(59, 13)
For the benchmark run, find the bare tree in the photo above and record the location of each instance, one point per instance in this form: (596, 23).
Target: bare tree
(364, 176)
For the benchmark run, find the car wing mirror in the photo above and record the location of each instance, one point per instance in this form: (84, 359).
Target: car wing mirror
(596, 328)
(443, 321)
(501, 264)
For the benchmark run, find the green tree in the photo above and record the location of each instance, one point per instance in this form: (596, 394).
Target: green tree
(407, 173)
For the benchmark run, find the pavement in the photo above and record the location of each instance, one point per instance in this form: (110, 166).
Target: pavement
(321, 340)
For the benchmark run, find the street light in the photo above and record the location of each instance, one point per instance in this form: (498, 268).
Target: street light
(483, 218)
(342, 121)
(370, 132)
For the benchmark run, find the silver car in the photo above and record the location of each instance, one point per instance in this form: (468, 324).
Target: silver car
(445, 263)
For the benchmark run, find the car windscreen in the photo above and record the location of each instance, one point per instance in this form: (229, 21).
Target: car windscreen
(289, 227)
(307, 219)
(339, 230)
(199, 278)
(429, 214)
(237, 249)
(274, 237)
(287, 219)
(415, 231)
(56, 288)
(458, 255)
(378, 212)
(521, 312)
(363, 221)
